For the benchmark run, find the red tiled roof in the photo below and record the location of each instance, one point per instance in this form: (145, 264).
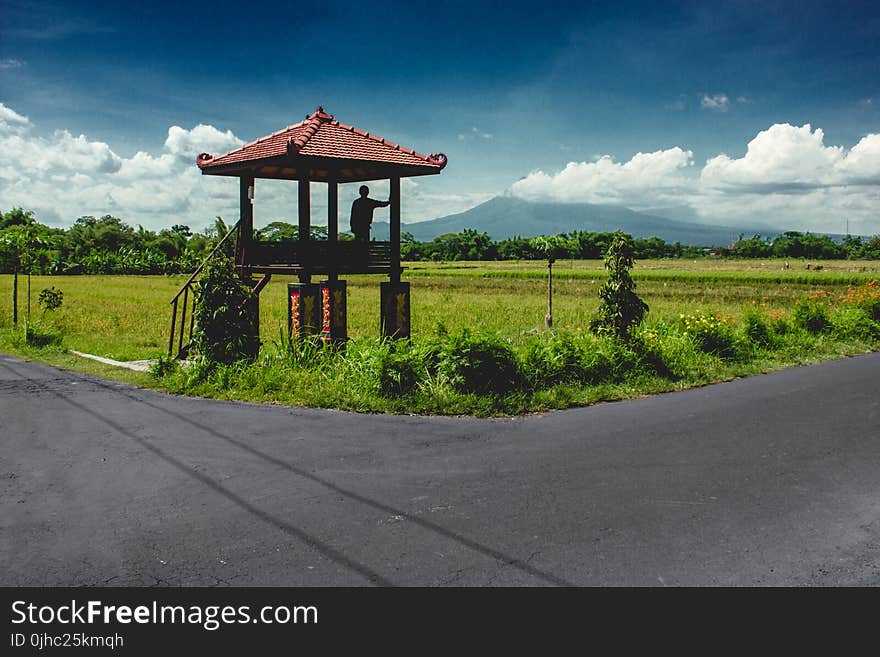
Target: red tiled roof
(320, 135)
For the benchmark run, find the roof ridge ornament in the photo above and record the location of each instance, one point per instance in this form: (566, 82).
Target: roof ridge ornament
(438, 159)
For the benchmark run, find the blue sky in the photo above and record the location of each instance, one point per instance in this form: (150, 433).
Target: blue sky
(561, 94)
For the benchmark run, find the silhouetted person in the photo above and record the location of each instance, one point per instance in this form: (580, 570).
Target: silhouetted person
(362, 214)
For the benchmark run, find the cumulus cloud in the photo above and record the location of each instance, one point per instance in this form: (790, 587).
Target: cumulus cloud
(787, 157)
(718, 102)
(62, 176)
(10, 63)
(187, 144)
(645, 178)
(787, 178)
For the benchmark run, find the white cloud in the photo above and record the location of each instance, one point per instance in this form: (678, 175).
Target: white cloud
(10, 63)
(12, 121)
(647, 177)
(718, 102)
(62, 176)
(187, 144)
(475, 133)
(788, 178)
(786, 157)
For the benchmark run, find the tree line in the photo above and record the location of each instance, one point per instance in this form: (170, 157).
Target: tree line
(108, 245)
(470, 244)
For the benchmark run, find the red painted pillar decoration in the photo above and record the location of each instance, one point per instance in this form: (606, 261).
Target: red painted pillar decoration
(303, 310)
(334, 314)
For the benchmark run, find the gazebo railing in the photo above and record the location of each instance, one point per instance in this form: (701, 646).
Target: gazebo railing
(320, 257)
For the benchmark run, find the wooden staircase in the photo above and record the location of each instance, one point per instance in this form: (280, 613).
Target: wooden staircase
(182, 305)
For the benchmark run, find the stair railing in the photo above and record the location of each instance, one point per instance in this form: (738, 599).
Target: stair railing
(184, 291)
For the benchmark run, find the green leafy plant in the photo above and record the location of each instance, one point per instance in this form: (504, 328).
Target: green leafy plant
(225, 328)
(854, 322)
(758, 329)
(621, 308)
(37, 335)
(164, 366)
(50, 299)
(712, 333)
(481, 363)
(812, 316)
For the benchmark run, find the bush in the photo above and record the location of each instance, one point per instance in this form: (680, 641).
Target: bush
(712, 333)
(854, 323)
(399, 369)
(481, 364)
(758, 330)
(42, 336)
(811, 316)
(225, 328)
(552, 358)
(164, 366)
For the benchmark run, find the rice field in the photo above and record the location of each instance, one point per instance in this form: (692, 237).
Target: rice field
(127, 317)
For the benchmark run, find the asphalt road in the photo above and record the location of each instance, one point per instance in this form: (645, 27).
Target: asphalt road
(771, 480)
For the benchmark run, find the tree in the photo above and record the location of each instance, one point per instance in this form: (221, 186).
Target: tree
(16, 217)
(550, 246)
(21, 242)
(621, 308)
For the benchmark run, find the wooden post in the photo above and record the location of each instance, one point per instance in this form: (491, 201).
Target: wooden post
(332, 229)
(246, 232)
(244, 255)
(305, 228)
(15, 295)
(395, 230)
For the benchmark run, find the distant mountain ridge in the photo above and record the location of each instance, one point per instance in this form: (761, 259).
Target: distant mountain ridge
(506, 216)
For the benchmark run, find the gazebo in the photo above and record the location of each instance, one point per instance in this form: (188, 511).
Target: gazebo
(321, 149)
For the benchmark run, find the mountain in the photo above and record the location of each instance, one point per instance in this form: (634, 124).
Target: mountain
(506, 216)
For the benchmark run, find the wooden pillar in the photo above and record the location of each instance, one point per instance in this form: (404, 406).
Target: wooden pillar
(246, 233)
(395, 230)
(243, 257)
(332, 229)
(394, 314)
(305, 228)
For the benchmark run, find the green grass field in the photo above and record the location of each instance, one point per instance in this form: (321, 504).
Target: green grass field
(127, 317)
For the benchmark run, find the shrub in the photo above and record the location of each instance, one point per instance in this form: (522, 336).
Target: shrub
(552, 358)
(164, 366)
(42, 336)
(481, 363)
(648, 347)
(712, 333)
(854, 323)
(812, 316)
(866, 297)
(398, 370)
(225, 328)
(50, 299)
(621, 308)
(757, 329)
